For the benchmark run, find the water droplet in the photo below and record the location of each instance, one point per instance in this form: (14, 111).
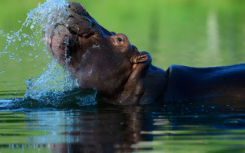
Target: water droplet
(47, 55)
(32, 27)
(11, 56)
(24, 35)
(30, 54)
(1, 31)
(36, 56)
(19, 21)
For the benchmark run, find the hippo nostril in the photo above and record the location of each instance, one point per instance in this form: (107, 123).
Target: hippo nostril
(86, 13)
(69, 6)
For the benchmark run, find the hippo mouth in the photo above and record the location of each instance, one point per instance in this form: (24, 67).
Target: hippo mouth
(73, 29)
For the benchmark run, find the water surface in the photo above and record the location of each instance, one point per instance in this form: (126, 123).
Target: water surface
(196, 33)
(123, 129)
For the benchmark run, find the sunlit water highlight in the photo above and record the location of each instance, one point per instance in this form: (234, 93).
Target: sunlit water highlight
(55, 87)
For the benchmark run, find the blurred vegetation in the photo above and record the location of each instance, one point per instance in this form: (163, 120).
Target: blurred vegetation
(196, 33)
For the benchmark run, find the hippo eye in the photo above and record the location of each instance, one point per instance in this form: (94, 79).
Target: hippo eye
(119, 40)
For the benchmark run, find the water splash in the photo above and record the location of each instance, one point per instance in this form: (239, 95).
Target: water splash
(39, 20)
(55, 87)
(55, 79)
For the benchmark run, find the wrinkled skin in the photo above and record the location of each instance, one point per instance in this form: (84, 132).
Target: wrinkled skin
(104, 60)
(124, 76)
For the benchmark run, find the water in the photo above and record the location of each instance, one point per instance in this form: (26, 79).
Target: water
(44, 112)
(56, 84)
(122, 129)
(39, 21)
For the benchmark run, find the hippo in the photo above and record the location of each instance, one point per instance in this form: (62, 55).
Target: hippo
(122, 75)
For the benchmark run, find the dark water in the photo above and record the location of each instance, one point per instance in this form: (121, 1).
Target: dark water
(205, 126)
(196, 33)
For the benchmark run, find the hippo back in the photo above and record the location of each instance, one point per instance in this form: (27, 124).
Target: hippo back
(188, 83)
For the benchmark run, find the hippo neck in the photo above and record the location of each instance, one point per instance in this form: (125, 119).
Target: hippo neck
(145, 85)
(156, 81)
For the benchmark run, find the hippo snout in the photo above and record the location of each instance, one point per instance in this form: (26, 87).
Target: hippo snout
(77, 20)
(77, 8)
(74, 29)
(73, 25)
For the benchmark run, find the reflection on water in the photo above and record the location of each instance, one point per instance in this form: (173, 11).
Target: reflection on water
(192, 127)
(191, 32)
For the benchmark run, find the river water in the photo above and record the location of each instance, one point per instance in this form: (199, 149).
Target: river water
(55, 117)
(178, 128)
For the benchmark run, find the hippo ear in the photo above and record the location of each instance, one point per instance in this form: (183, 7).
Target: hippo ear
(141, 59)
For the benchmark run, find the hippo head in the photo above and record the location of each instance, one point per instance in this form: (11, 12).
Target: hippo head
(95, 56)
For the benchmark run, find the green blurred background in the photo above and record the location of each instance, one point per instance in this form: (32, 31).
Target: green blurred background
(197, 33)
